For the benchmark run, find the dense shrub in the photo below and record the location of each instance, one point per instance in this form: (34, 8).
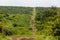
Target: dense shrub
(8, 31)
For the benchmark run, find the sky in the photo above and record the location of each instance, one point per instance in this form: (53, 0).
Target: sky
(30, 3)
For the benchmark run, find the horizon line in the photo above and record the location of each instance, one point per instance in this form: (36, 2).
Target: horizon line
(27, 6)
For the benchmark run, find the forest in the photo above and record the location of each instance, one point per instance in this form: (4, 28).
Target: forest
(38, 23)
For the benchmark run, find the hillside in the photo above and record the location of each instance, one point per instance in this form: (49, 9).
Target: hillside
(38, 23)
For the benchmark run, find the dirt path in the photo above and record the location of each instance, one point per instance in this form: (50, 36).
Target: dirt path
(32, 21)
(23, 38)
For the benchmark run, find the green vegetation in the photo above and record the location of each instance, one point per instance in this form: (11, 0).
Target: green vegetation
(15, 21)
(48, 22)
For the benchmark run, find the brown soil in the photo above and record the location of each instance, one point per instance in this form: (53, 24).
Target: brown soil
(22, 38)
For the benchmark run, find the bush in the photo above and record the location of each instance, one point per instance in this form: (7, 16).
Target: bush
(8, 31)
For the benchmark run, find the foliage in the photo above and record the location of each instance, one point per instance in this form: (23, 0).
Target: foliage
(16, 21)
